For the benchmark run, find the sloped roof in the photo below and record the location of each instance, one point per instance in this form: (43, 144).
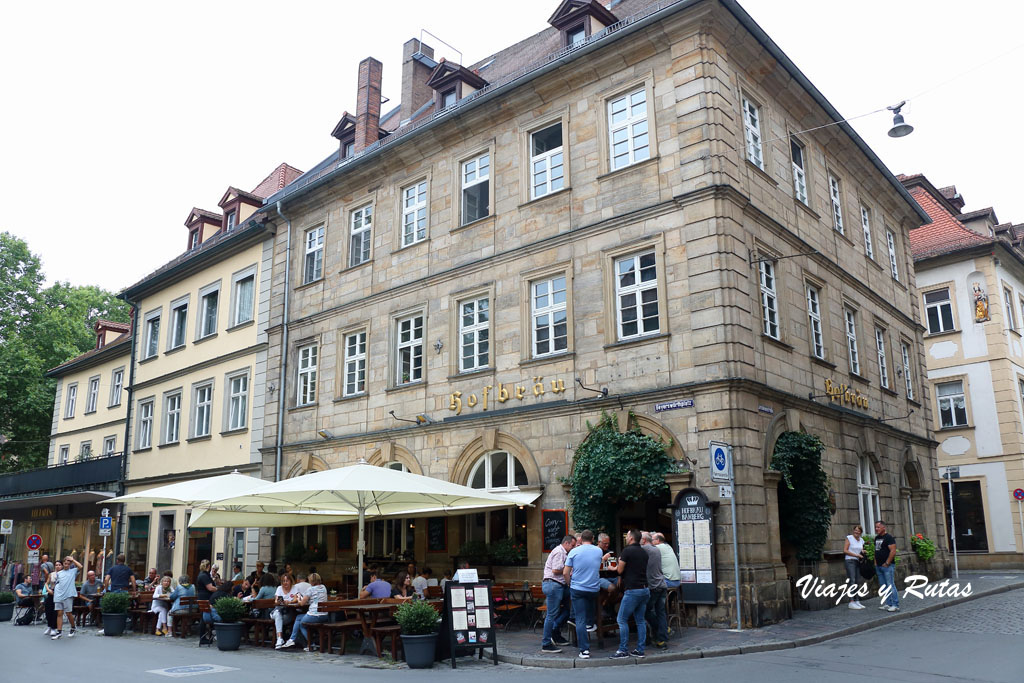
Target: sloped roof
(279, 178)
(111, 349)
(945, 234)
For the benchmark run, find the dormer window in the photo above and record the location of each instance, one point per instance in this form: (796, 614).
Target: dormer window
(448, 98)
(580, 19)
(575, 35)
(348, 149)
(193, 240)
(452, 82)
(231, 220)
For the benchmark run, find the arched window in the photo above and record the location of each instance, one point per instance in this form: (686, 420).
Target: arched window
(867, 495)
(395, 465)
(498, 471)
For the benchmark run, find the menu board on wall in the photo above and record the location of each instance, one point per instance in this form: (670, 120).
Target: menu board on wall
(437, 535)
(556, 527)
(694, 541)
(468, 621)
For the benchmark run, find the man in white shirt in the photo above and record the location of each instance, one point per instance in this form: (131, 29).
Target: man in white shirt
(64, 595)
(302, 586)
(421, 582)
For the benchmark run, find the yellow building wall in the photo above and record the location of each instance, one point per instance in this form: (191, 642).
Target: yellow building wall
(106, 420)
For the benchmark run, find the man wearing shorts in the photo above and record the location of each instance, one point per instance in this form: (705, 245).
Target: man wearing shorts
(64, 595)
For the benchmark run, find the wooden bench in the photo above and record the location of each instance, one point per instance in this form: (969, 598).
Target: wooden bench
(181, 625)
(142, 618)
(346, 625)
(262, 627)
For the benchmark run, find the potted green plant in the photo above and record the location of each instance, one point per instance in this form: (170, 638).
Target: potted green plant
(114, 607)
(229, 626)
(418, 620)
(6, 605)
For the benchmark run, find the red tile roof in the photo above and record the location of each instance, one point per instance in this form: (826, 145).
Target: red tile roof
(278, 178)
(105, 349)
(945, 234)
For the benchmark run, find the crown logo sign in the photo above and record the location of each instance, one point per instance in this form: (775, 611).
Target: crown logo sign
(692, 500)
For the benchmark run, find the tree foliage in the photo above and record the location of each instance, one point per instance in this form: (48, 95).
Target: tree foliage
(40, 328)
(804, 512)
(612, 467)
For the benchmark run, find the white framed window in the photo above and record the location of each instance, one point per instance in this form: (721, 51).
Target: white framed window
(313, 268)
(361, 224)
(850, 316)
(865, 223)
(448, 98)
(306, 380)
(152, 335)
(116, 385)
(938, 311)
(179, 324)
(172, 417)
(409, 350)
(193, 240)
(952, 404)
(65, 453)
(498, 471)
(547, 168)
(69, 403)
(145, 424)
(474, 334)
(238, 401)
(202, 410)
(867, 494)
(890, 240)
(243, 295)
(1011, 320)
(799, 172)
(476, 188)
(908, 375)
(232, 220)
(209, 305)
(752, 131)
(414, 213)
(834, 194)
(549, 315)
(769, 299)
(355, 364)
(109, 445)
(883, 363)
(636, 295)
(92, 398)
(85, 450)
(1021, 303)
(814, 321)
(629, 140)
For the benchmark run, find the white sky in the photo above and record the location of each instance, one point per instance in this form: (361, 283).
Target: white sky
(119, 117)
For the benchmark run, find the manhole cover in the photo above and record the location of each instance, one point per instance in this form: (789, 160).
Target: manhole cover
(191, 670)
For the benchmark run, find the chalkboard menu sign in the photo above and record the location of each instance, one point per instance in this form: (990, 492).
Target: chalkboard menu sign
(556, 526)
(694, 541)
(437, 535)
(468, 625)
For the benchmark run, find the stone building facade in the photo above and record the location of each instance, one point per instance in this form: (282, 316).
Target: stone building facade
(637, 212)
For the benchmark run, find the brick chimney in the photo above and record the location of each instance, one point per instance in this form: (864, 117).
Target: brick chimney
(368, 104)
(415, 73)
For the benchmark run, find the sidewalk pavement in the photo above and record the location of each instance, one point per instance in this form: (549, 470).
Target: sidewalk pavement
(805, 628)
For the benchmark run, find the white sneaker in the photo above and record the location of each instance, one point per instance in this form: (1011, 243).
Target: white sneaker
(55, 636)
(279, 644)
(71, 633)
(883, 606)
(592, 628)
(100, 632)
(857, 603)
(289, 643)
(48, 632)
(893, 609)
(853, 605)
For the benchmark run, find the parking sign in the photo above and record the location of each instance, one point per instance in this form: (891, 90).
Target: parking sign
(105, 526)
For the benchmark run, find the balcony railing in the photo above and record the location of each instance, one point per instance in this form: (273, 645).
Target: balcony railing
(73, 476)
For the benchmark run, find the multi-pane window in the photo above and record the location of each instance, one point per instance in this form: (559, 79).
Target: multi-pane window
(629, 139)
(355, 364)
(179, 325)
(890, 241)
(498, 471)
(850, 316)
(752, 132)
(476, 188)
(814, 321)
(769, 299)
(208, 305)
(575, 36)
(952, 404)
(202, 408)
(867, 494)
(306, 394)
(414, 213)
(116, 385)
(938, 311)
(245, 289)
(152, 336)
(172, 417)
(837, 204)
(547, 170)
(908, 377)
(636, 295)
(883, 363)
(85, 450)
(474, 334)
(409, 350)
(146, 424)
(314, 260)
(361, 224)
(238, 402)
(1011, 321)
(550, 318)
(193, 240)
(92, 398)
(865, 223)
(69, 406)
(799, 170)
(448, 98)
(109, 444)
(232, 220)
(65, 452)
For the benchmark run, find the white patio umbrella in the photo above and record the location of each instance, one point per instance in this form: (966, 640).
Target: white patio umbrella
(363, 490)
(217, 517)
(194, 491)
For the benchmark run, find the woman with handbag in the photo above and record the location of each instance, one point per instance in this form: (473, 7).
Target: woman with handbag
(853, 553)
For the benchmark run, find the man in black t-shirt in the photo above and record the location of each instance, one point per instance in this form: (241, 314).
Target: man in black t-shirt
(204, 582)
(120, 577)
(632, 568)
(885, 558)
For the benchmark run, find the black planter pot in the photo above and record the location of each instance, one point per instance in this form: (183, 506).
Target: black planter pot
(6, 611)
(113, 624)
(229, 636)
(420, 650)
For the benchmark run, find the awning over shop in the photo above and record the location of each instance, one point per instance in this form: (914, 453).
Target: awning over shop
(70, 498)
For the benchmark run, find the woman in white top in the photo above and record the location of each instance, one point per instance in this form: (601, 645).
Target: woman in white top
(854, 553)
(162, 604)
(317, 594)
(285, 597)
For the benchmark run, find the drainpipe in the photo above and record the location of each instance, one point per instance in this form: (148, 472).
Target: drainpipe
(284, 346)
(130, 397)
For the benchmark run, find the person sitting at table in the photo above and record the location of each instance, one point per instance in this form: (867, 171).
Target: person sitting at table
(446, 578)
(421, 582)
(402, 587)
(266, 590)
(242, 589)
(236, 576)
(411, 569)
(285, 597)
(170, 575)
(153, 579)
(257, 575)
(215, 575)
(302, 585)
(161, 604)
(90, 587)
(377, 588)
(185, 589)
(317, 594)
(23, 593)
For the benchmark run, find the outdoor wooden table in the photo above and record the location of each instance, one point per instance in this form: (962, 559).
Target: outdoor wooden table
(371, 617)
(521, 597)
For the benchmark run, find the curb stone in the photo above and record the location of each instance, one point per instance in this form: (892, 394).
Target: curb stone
(767, 647)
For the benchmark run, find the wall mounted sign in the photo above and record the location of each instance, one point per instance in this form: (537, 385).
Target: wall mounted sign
(48, 512)
(491, 395)
(673, 405)
(556, 526)
(845, 394)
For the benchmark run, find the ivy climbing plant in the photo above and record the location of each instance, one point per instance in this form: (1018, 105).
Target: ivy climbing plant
(612, 467)
(804, 512)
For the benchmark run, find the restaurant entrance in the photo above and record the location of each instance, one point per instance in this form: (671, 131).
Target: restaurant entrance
(200, 547)
(653, 514)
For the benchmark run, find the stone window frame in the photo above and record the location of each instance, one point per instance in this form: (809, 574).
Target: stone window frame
(950, 287)
(866, 230)
(819, 287)
(882, 354)
(527, 278)
(835, 197)
(307, 252)
(854, 350)
(459, 162)
(1010, 323)
(165, 415)
(526, 132)
(907, 363)
(309, 370)
(892, 247)
(85, 450)
(645, 81)
(193, 413)
(965, 387)
(870, 490)
(63, 454)
(395, 346)
(764, 255)
(801, 172)
(746, 101)
(343, 360)
(227, 408)
(112, 439)
(423, 179)
(365, 233)
(609, 257)
(485, 291)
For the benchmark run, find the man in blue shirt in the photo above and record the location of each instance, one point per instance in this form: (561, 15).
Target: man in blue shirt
(583, 572)
(376, 588)
(120, 578)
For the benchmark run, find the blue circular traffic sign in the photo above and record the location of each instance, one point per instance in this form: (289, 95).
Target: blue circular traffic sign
(34, 542)
(1019, 494)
